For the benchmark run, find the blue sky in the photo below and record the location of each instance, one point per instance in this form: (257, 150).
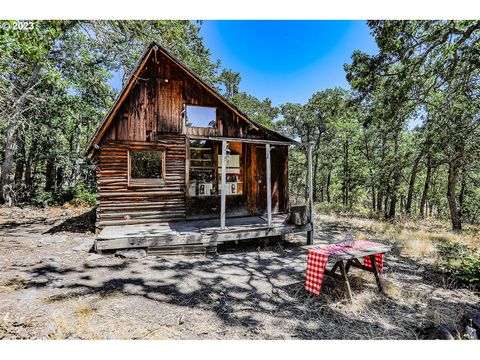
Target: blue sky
(287, 61)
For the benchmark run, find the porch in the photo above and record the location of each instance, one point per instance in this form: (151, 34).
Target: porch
(176, 237)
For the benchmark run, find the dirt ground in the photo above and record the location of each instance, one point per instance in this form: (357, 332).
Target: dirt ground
(51, 287)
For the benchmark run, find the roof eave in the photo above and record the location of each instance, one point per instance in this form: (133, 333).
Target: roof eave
(100, 131)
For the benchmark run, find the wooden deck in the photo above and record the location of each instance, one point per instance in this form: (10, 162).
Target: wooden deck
(193, 234)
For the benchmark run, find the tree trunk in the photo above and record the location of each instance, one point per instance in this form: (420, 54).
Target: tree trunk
(387, 199)
(315, 171)
(372, 184)
(426, 187)
(20, 162)
(10, 147)
(379, 200)
(10, 141)
(393, 201)
(411, 185)
(329, 179)
(397, 174)
(373, 198)
(29, 164)
(453, 168)
(76, 168)
(463, 190)
(345, 174)
(59, 178)
(50, 174)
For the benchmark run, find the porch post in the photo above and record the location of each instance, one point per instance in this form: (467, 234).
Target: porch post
(223, 184)
(269, 186)
(310, 194)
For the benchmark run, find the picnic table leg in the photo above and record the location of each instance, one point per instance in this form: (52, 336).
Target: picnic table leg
(345, 280)
(377, 274)
(349, 263)
(335, 267)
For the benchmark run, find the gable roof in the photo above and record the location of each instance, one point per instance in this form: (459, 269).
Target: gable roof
(103, 126)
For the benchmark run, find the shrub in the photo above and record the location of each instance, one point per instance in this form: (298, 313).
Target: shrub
(461, 262)
(43, 199)
(79, 195)
(83, 196)
(339, 209)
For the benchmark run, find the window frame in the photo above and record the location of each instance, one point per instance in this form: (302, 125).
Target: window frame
(216, 153)
(187, 164)
(141, 182)
(200, 106)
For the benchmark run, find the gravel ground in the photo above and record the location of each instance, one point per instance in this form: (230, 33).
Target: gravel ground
(51, 287)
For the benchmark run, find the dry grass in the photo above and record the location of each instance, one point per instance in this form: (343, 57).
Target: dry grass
(416, 239)
(7, 289)
(420, 292)
(415, 247)
(15, 283)
(77, 324)
(248, 308)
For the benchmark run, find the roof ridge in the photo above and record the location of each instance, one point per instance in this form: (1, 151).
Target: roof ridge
(101, 128)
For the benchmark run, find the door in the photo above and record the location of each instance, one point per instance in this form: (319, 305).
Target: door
(256, 180)
(257, 175)
(279, 158)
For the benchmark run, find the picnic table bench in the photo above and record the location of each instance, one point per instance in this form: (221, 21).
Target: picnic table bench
(345, 257)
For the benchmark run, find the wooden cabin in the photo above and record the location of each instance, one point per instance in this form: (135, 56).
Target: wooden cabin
(178, 166)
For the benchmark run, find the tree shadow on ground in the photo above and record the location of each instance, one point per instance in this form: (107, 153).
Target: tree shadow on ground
(262, 292)
(77, 224)
(247, 290)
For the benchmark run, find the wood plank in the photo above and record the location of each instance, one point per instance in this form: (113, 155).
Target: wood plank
(234, 235)
(376, 273)
(243, 140)
(158, 240)
(223, 184)
(346, 283)
(360, 253)
(269, 185)
(184, 233)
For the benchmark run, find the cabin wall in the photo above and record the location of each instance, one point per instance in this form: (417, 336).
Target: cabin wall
(257, 179)
(140, 203)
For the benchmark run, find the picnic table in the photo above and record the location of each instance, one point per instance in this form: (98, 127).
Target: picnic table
(345, 256)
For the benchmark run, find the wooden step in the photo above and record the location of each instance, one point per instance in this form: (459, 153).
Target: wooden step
(182, 250)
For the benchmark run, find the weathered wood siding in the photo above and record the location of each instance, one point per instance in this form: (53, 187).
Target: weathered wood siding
(256, 179)
(142, 203)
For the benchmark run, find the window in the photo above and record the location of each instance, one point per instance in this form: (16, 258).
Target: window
(202, 168)
(234, 169)
(200, 116)
(205, 172)
(147, 164)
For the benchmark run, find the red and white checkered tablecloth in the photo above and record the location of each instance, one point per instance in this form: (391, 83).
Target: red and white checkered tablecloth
(318, 257)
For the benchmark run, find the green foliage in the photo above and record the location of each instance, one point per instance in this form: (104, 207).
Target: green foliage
(344, 210)
(407, 128)
(78, 195)
(44, 199)
(54, 91)
(261, 111)
(424, 72)
(82, 196)
(461, 262)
